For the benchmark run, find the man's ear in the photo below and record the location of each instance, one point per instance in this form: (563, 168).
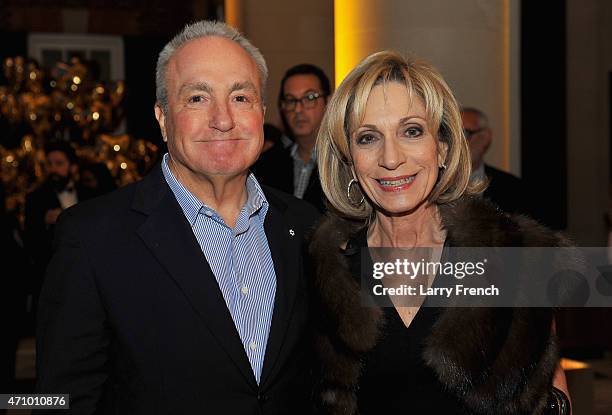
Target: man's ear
(161, 120)
(488, 136)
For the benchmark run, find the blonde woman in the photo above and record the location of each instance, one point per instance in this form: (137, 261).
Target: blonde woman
(395, 167)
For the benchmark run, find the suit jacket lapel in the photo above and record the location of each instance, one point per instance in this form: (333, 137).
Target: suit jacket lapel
(168, 235)
(285, 249)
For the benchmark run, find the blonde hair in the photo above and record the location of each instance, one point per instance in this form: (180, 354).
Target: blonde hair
(346, 109)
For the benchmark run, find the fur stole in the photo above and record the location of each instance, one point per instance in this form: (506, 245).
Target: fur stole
(495, 360)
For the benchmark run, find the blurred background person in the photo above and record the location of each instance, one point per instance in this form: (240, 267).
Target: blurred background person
(95, 180)
(272, 137)
(59, 191)
(504, 189)
(302, 101)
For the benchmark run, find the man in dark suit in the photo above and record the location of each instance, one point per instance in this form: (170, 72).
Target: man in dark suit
(504, 188)
(185, 293)
(302, 101)
(59, 191)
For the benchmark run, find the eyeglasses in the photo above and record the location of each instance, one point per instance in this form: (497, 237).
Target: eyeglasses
(469, 133)
(308, 101)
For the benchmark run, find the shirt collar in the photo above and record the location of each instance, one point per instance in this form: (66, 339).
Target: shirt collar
(191, 205)
(295, 156)
(256, 199)
(286, 141)
(479, 173)
(70, 188)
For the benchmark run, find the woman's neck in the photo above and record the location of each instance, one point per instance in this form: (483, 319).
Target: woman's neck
(422, 227)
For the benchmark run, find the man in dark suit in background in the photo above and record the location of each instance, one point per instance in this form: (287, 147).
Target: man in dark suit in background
(504, 188)
(59, 191)
(302, 101)
(185, 293)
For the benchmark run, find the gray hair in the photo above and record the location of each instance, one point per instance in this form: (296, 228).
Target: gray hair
(201, 29)
(483, 120)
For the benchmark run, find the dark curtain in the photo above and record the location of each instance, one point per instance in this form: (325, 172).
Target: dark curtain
(140, 60)
(11, 45)
(543, 111)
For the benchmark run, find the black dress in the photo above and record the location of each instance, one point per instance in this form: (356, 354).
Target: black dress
(395, 378)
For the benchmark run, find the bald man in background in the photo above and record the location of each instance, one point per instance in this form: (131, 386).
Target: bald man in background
(503, 188)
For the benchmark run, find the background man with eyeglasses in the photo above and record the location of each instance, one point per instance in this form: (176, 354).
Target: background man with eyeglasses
(302, 100)
(504, 188)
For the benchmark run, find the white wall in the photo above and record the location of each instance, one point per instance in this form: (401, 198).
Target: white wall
(474, 43)
(289, 33)
(476, 46)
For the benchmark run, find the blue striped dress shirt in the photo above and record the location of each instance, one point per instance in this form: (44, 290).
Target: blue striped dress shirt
(240, 259)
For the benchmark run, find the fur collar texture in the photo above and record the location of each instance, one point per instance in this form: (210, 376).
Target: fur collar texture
(512, 371)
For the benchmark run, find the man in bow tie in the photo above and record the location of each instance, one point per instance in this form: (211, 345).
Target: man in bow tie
(43, 206)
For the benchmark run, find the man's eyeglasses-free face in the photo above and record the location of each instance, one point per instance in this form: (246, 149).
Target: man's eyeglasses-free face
(308, 101)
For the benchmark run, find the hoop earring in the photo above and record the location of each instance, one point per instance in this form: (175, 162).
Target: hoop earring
(348, 193)
(443, 166)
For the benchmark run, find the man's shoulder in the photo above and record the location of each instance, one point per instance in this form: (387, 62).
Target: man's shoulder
(275, 168)
(273, 161)
(136, 196)
(500, 175)
(102, 209)
(44, 189)
(291, 205)
(277, 152)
